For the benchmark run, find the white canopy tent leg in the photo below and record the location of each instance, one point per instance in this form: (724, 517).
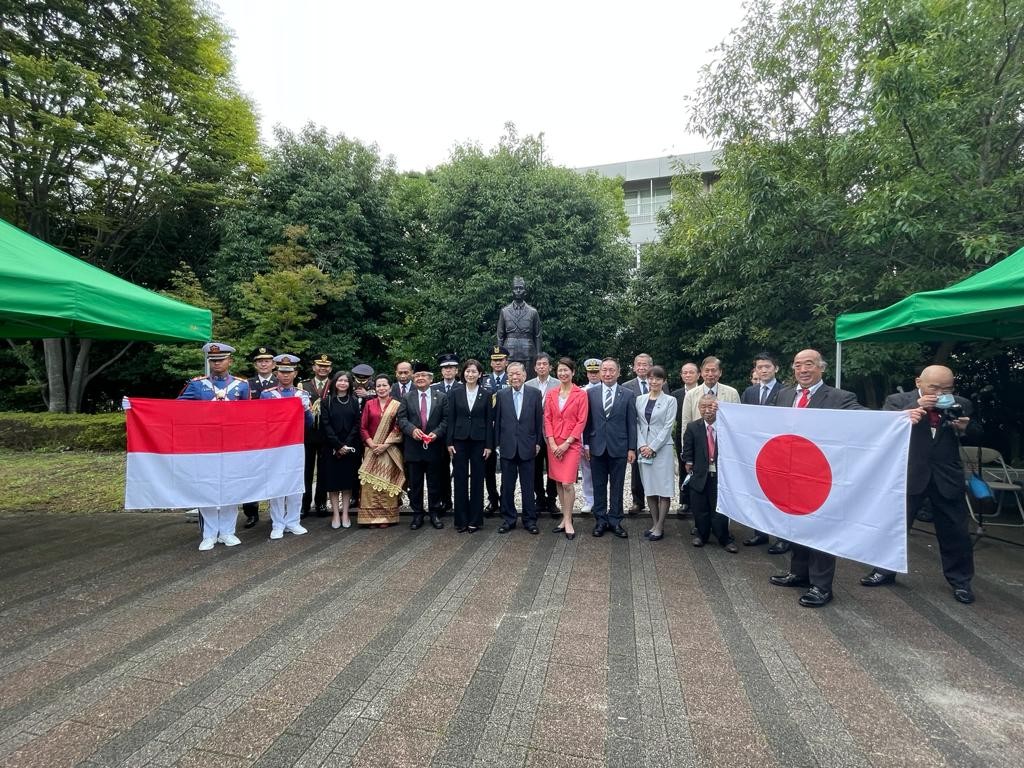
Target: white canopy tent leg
(839, 364)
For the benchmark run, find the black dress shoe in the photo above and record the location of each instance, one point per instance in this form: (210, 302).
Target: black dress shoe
(656, 537)
(251, 521)
(731, 548)
(877, 579)
(571, 536)
(436, 522)
(599, 529)
(789, 580)
(780, 547)
(698, 541)
(963, 595)
(533, 529)
(621, 532)
(755, 541)
(472, 529)
(635, 509)
(461, 528)
(647, 533)
(559, 529)
(815, 598)
(490, 509)
(417, 523)
(505, 528)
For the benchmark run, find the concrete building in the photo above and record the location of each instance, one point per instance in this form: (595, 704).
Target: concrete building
(647, 185)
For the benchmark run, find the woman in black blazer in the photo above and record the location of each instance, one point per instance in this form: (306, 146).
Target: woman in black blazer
(470, 442)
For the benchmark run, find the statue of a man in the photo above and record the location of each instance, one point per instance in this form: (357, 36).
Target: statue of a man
(519, 327)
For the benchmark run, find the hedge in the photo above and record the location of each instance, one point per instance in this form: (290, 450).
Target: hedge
(62, 432)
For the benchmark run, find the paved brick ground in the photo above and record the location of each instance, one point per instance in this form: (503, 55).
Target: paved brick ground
(121, 644)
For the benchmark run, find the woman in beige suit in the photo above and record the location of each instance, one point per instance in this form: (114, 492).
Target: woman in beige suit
(655, 417)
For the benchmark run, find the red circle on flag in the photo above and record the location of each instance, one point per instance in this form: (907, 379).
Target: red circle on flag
(794, 474)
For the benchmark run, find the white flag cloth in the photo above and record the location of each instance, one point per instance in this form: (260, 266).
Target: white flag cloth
(832, 480)
(187, 453)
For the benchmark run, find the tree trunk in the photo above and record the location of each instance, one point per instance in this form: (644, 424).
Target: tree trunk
(53, 353)
(79, 376)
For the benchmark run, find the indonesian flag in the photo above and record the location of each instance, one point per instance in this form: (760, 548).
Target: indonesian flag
(832, 480)
(187, 453)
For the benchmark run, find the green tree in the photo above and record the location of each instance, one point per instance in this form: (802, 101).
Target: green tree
(484, 217)
(111, 113)
(869, 150)
(338, 192)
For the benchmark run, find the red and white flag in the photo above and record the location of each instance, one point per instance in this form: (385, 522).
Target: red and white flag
(187, 453)
(832, 480)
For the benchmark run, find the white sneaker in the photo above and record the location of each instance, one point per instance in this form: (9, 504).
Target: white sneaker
(298, 530)
(277, 533)
(587, 509)
(229, 540)
(206, 545)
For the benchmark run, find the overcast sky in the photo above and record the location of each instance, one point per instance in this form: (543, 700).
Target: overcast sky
(604, 82)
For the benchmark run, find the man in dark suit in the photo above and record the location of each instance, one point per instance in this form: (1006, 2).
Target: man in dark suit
(518, 436)
(494, 382)
(690, 374)
(764, 392)
(423, 418)
(263, 361)
(315, 388)
(449, 364)
(700, 454)
(403, 380)
(609, 442)
(809, 567)
(638, 385)
(934, 471)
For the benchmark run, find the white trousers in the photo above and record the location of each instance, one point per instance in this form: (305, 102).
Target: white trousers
(218, 521)
(285, 511)
(588, 482)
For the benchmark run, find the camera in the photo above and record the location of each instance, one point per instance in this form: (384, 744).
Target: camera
(949, 409)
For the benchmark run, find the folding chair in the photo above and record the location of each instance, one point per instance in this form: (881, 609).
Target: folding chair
(993, 471)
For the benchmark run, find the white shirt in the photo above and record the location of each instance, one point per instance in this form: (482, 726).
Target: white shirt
(800, 392)
(471, 396)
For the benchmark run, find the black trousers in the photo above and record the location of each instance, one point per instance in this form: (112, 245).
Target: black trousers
(819, 568)
(491, 478)
(636, 487)
(684, 490)
(546, 492)
(609, 473)
(706, 517)
(950, 518)
(418, 474)
(320, 499)
(468, 469)
(251, 508)
(511, 470)
(444, 478)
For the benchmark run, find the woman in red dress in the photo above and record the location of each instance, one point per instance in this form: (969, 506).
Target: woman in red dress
(382, 473)
(565, 416)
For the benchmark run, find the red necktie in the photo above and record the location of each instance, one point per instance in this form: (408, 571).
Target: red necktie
(423, 411)
(711, 443)
(805, 396)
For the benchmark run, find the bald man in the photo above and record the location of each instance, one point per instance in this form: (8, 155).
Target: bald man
(934, 472)
(810, 568)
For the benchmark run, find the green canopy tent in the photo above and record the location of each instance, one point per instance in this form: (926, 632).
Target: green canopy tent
(987, 306)
(45, 293)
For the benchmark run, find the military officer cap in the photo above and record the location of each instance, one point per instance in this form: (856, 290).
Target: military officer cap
(592, 364)
(286, 363)
(498, 352)
(323, 360)
(215, 350)
(420, 367)
(448, 358)
(262, 353)
(363, 371)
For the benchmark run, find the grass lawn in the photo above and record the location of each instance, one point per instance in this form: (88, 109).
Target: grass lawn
(72, 481)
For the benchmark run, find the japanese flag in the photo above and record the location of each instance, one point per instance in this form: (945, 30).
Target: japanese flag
(832, 480)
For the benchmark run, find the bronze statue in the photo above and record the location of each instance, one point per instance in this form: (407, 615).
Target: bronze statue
(519, 328)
